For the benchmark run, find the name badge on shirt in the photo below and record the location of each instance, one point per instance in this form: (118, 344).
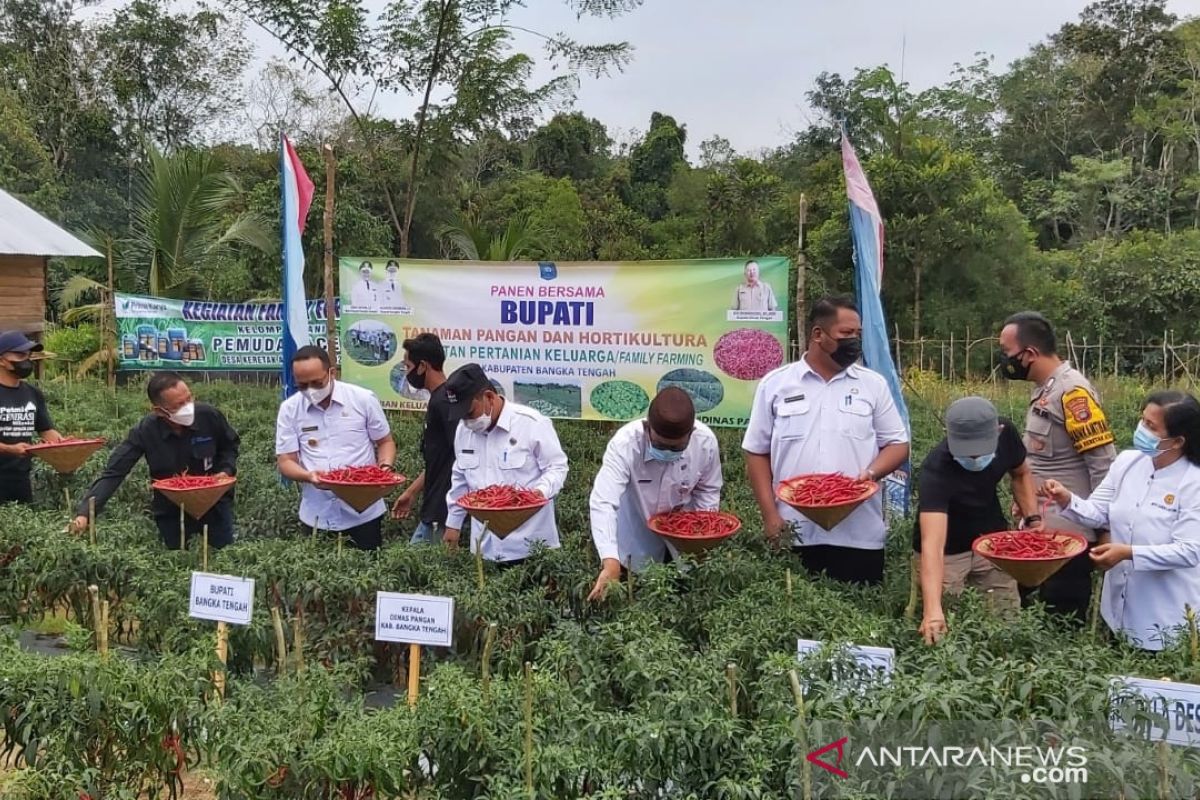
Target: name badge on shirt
(468, 452)
(309, 429)
(794, 398)
(644, 480)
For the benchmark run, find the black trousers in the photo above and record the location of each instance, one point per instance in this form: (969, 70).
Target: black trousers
(16, 488)
(845, 564)
(219, 520)
(1067, 592)
(367, 536)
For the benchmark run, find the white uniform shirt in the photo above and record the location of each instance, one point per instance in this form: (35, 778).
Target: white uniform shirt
(365, 294)
(631, 487)
(1158, 513)
(807, 425)
(521, 450)
(391, 293)
(342, 435)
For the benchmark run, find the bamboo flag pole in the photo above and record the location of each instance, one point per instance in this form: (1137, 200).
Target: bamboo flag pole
(330, 316)
(414, 673)
(801, 276)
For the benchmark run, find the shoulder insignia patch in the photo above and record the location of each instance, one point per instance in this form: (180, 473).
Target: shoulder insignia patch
(1085, 421)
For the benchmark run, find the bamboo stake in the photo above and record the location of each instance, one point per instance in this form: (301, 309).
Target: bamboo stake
(67, 499)
(731, 681)
(914, 583)
(801, 734)
(479, 556)
(414, 674)
(529, 729)
(1189, 614)
(1094, 610)
(298, 639)
(204, 549)
(92, 520)
(339, 545)
(94, 597)
(182, 530)
(787, 582)
(218, 676)
(486, 666)
(629, 578)
(102, 631)
(280, 643)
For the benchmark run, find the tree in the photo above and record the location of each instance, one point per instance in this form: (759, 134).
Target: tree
(454, 55)
(652, 164)
(470, 240)
(187, 216)
(570, 146)
(170, 76)
(283, 99)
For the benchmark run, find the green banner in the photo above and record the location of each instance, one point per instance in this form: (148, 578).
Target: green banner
(589, 340)
(159, 333)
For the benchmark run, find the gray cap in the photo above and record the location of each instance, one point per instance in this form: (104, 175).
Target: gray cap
(972, 427)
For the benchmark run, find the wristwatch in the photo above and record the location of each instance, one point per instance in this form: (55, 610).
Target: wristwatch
(1031, 519)
(388, 467)
(871, 474)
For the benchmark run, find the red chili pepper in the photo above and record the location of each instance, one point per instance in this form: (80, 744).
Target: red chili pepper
(501, 496)
(370, 475)
(184, 482)
(170, 742)
(697, 524)
(1026, 545)
(822, 489)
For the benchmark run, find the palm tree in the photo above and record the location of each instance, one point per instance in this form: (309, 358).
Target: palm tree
(186, 219)
(470, 240)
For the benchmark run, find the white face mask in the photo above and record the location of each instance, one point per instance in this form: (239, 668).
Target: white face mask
(185, 415)
(318, 395)
(479, 424)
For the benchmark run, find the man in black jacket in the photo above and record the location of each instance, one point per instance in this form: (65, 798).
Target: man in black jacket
(178, 435)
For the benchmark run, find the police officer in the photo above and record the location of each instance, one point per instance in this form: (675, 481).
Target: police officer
(1068, 438)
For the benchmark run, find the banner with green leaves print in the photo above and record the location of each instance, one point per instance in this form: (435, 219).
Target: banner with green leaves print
(591, 340)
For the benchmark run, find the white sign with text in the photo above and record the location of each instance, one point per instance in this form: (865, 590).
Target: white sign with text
(876, 662)
(414, 618)
(1175, 708)
(223, 598)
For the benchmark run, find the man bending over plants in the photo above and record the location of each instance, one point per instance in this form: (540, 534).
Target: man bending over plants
(664, 462)
(178, 435)
(326, 425)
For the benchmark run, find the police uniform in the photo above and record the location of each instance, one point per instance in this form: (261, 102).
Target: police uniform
(1069, 439)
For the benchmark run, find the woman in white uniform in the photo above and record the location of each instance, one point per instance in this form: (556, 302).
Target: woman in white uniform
(1150, 501)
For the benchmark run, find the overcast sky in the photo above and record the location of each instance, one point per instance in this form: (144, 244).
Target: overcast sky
(740, 68)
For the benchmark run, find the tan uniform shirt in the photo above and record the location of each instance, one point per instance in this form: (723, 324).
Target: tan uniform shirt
(1068, 438)
(760, 297)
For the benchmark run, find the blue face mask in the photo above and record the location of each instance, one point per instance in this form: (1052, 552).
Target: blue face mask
(1146, 442)
(659, 454)
(975, 463)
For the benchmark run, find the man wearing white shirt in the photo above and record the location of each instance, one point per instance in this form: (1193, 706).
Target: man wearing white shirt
(664, 462)
(364, 295)
(326, 425)
(501, 442)
(391, 293)
(826, 413)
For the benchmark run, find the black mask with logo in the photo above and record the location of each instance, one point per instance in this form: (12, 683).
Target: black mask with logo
(415, 379)
(1012, 368)
(848, 351)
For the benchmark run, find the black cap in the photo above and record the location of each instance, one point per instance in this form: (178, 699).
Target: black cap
(462, 387)
(17, 342)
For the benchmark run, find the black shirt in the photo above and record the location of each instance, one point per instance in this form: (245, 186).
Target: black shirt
(209, 446)
(969, 499)
(437, 451)
(23, 413)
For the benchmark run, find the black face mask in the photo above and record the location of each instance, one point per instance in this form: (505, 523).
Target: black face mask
(22, 369)
(415, 379)
(848, 351)
(1012, 368)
